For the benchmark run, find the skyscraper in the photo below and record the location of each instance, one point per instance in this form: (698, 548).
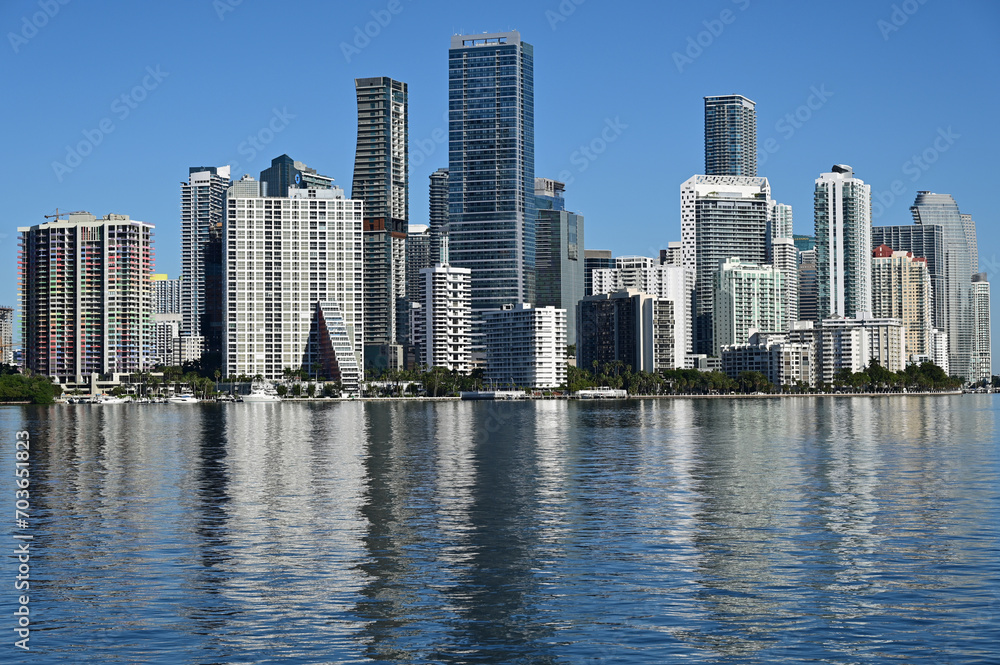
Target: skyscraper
(721, 217)
(294, 283)
(7, 335)
(843, 216)
(203, 200)
(286, 173)
(747, 296)
(925, 242)
(491, 166)
(982, 359)
(808, 289)
(730, 136)
(901, 289)
(381, 182)
(441, 321)
(559, 253)
(438, 212)
(85, 296)
(955, 295)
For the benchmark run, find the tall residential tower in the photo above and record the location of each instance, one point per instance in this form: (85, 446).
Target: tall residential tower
(843, 216)
(491, 166)
(730, 136)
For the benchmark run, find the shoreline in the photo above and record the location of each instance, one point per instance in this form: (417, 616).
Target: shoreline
(561, 398)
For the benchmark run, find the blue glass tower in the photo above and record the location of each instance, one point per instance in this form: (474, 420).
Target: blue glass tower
(491, 166)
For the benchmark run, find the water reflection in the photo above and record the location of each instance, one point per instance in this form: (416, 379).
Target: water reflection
(831, 529)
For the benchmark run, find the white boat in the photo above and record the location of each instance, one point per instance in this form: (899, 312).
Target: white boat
(604, 392)
(262, 392)
(185, 398)
(109, 399)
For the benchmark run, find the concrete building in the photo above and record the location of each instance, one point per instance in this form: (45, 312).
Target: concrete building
(441, 320)
(747, 297)
(286, 174)
(437, 212)
(982, 358)
(381, 182)
(808, 287)
(721, 217)
(853, 343)
(783, 362)
(666, 282)
(635, 328)
(939, 350)
(559, 260)
(491, 166)
(901, 289)
(672, 255)
(594, 259)
(842, 213)
(525, 346)
(780, 223)
(730, 136)
(85, 296)
(785, 260)
(294, 283)
(418, 257)
(203, 200)
(7, 335)
(168, 322)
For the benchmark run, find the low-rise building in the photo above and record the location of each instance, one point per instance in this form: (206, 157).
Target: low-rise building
(525, 346)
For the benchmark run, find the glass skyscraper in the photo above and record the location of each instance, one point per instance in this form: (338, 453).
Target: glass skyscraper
(491, 166)
(730, 136)
(955, 297)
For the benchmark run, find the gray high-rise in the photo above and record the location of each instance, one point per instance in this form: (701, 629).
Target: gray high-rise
(559, 260)
(730, 136)
(438, 209)
(491, 166)
(381, 180)
(955, 298)
(203, 200)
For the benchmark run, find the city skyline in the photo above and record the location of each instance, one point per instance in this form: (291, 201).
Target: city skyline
(805, 120)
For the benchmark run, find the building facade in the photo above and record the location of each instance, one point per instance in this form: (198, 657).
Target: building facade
(85, 296)
(808, 287)
(525, 346)
(437, 203)
(901, 289)
(982, 358)
(721, 217)
(730, 136)
(381, 182)
(664, 281)
(294, 284)
(7, 335)
(559, 260)
(634, 328)
(441, 320)
(748, 297)
(491, 166)
(203, 200)
(955, 295)
(842, 213)
(595, 259)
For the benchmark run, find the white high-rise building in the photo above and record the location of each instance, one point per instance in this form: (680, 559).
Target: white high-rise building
(982, 364)
(785, 259)
(525, 346)
(843, 216)
(721, 217)
(294, 297)
(940, 351)
(664, 281)
(441, 319)
(781, 220)
(747, 296)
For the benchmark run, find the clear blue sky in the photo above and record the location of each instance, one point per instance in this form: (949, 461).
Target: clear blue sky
(190, 82)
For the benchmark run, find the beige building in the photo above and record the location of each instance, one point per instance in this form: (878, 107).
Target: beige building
(901, 289)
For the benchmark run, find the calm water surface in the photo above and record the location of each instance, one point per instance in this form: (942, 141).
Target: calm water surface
(836, 530)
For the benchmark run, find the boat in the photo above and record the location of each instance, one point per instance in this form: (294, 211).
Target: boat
(262, 392)
(493, 394)
(604, 392)
(185, 398)
(109, 399)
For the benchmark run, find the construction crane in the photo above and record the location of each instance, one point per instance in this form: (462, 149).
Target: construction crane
(64, 214)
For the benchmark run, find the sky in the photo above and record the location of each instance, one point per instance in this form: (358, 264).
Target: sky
(107, 104)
